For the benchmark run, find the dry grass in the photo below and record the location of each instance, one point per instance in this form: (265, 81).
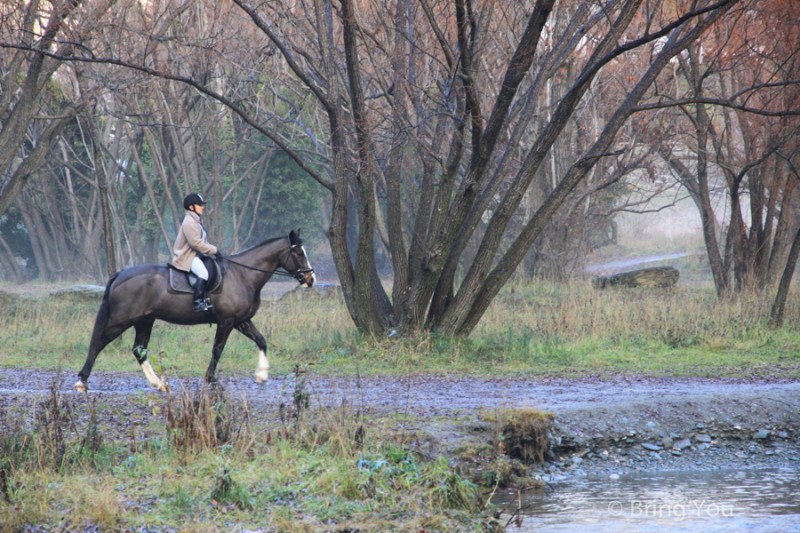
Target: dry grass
(529, 328)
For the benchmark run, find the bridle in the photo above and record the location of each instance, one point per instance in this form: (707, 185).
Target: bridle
(299, 273)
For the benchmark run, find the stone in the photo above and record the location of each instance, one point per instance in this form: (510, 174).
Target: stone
(702, 438)
(667, 443)
(649, 446)
(82, 292)
(682, 444)
(761, 434)
(658, 277)
(783, 435)
(677, 453)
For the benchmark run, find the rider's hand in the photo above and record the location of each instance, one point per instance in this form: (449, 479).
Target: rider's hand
(218, 255)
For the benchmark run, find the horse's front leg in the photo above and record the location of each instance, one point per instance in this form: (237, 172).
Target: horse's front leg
(144, 328)
(223, 332)
(248, 329)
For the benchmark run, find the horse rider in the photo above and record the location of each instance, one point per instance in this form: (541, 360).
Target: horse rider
(191, 242)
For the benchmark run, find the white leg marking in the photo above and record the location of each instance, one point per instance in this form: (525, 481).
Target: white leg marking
(152, 377)
(80, 386)
(262, 370)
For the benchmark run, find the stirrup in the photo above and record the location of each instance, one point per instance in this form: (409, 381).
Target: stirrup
(200, 306)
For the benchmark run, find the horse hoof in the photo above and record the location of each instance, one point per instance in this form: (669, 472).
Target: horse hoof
(164, 387)
(261, 376)
(80, 386)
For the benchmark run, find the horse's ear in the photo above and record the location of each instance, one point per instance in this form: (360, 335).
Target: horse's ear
(294, 237)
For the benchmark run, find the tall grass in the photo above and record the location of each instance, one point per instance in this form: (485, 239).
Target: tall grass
(530, 328)
(324, 472)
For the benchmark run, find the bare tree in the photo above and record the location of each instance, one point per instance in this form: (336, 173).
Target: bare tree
(398, 103)
(426, 121)
(741, 107)
(37, 31)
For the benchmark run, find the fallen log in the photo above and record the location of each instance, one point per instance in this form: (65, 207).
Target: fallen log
(657, 277)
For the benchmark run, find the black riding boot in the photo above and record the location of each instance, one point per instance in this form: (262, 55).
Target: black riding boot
(201, 302)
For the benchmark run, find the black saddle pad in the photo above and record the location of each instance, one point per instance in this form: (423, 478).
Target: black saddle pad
(180, 281)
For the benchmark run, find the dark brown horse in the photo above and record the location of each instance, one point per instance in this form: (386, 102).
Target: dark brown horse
(138, 296)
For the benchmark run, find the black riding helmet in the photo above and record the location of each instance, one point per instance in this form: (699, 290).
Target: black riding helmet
(193, 199)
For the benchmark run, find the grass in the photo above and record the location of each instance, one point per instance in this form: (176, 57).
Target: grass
(321, 471)
(535, 329)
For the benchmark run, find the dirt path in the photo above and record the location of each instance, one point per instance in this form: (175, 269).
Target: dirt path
(434, 395)
(601, 425)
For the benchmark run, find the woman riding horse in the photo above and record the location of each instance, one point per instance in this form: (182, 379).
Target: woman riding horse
(138, 296)
(191, 242)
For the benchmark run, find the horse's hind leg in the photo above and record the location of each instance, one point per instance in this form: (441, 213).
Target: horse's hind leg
(101, 337)
(144, 328)
(249, 330)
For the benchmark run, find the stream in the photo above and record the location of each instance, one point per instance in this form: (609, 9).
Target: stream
(758, 500)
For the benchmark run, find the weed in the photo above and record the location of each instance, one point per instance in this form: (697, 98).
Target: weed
(522, 434)
(52, 422)
(228, 491)
(204, 420)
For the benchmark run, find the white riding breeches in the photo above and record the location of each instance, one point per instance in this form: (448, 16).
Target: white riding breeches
(199, 268)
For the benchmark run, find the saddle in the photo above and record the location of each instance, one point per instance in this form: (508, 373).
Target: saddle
(182, 281)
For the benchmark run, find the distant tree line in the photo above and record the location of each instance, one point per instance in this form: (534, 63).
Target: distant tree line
(446, 144)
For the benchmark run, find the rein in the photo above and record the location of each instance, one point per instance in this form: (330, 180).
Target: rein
(298, 275)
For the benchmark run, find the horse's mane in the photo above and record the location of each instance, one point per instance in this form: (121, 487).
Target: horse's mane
(259, 245)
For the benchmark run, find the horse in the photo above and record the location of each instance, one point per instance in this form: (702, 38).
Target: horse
(139, 295)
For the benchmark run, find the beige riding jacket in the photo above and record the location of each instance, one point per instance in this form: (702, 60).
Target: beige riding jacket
(191, 240)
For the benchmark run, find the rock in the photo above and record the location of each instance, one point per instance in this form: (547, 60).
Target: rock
(703, 447)
(761, 434)
(682, 444)
(321, 290)
(667, 443)
(83, 292)
(659, 277)
(783, 435)
(702, 438)
(677, 453)
(651, 447)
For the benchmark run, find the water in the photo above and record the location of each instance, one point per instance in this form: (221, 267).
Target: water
(763, 501)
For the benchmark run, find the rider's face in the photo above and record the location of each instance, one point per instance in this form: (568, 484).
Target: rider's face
(198, 208)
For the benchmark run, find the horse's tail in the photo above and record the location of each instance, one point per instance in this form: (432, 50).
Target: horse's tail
(104, 313)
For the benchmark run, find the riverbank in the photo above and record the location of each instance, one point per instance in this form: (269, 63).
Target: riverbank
(600, 426)
(314, 453)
